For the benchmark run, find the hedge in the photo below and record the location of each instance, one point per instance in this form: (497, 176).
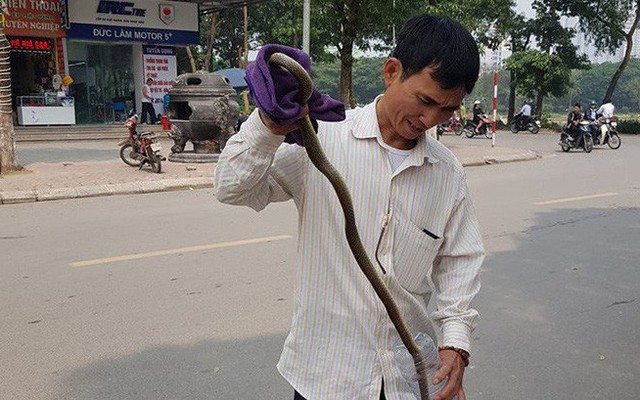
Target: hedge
(629, 126)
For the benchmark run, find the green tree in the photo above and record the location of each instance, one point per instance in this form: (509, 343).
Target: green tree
(358, 23)
(604, 22)
(547, 69)
(280, 21)
(490, 21)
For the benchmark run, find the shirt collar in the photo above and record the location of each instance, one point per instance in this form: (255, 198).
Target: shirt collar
(366, 126)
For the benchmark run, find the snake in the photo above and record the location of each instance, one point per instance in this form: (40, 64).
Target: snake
(315, 153)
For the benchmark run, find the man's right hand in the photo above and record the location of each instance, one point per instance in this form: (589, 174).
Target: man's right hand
(281, 130)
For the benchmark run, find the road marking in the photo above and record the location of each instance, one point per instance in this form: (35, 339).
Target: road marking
(169, 252)
(569, 199)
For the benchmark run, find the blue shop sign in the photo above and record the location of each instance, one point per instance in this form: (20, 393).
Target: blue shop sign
(132, 34)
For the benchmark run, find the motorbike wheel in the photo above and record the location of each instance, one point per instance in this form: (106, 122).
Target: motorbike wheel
(457, 129)
(469, 132)
(534, 128)
(513, 126)
(614, 141)
(565, 147)
(587, 144)
(154, 161)
(488, 134)
(126, 155)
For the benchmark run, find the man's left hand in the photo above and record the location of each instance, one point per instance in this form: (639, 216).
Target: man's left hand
(451, 370)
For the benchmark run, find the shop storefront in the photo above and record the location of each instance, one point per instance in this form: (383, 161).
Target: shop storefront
(113, 47)
(35, 31)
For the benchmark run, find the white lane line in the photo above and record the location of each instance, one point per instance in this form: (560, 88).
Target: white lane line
(168, 252)
(570, 199)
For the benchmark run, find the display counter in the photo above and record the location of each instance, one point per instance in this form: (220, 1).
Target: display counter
(46, 109)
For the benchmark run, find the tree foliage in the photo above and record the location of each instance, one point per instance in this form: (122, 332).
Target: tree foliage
(545, 70)
(605, 23)
(489, 21)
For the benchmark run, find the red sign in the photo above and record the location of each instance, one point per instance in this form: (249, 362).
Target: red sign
(31, 44)
(40, 18)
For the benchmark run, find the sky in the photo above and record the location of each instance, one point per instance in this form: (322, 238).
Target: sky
(524, 7)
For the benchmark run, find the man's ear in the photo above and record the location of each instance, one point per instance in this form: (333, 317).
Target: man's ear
(392, 71)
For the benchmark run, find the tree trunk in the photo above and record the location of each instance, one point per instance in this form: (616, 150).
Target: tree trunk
(627, 56)
(213, 27)
(512, 96)
(8, 158)
(346, 70)
(192, 62)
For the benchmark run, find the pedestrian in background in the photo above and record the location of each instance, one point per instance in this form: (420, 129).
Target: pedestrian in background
(148, 114)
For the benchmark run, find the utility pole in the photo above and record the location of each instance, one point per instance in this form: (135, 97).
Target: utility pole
(306, 26)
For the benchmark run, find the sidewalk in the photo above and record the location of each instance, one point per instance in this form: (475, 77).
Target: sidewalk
(56, 181)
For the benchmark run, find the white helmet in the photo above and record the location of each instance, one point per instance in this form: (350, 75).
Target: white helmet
(476, 102)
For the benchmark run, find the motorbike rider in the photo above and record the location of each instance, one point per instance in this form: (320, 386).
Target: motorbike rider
(573, 122)
(606, 110)
(478, 119)
(591, 115)
(463, 113)
(525, 112)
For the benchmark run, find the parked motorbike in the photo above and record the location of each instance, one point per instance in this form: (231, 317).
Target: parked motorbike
(608, 133)
(453, 125)
(470, 128)
(140, 148)
(520, 123)
(582, 140)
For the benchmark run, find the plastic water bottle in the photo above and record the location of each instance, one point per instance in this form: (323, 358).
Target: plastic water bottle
(407, 366)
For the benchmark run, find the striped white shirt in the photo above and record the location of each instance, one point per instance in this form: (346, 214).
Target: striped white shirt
(418, 222)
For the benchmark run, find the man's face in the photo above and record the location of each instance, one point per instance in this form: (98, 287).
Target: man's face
(411, 106)
(576, 108)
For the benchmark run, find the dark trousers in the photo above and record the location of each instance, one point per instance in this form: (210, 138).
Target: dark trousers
(147, 109)
(297, 396)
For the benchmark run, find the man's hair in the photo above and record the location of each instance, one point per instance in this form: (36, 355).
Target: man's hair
(577, 105)
(442, 44)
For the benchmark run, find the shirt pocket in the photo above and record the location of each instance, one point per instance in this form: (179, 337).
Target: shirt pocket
(415, 251)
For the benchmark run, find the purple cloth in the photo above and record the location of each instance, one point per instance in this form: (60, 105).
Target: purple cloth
(274, 91)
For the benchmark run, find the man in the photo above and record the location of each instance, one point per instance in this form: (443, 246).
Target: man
(148, 114)
(606, 110)
(573, 122)
(413, 212)
(525, 111)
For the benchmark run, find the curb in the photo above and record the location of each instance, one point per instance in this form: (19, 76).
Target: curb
(172, 185)
(528, 155)
(141, 187)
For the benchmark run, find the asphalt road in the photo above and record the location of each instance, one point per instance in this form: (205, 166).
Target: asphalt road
(168, 296)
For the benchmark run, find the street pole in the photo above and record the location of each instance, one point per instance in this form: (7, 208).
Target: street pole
(495, 94)
(306, 26)
(495, 106)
